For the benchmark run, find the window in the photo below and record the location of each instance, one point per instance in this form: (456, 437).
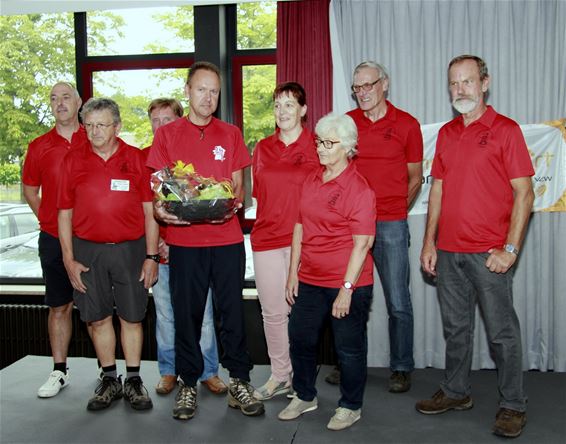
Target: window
(140, 31)
(256, 25)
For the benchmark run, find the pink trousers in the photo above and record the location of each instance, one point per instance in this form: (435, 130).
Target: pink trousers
(271, 271)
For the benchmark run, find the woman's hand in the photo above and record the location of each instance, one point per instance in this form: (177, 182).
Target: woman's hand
(292, 288)
(341, 305)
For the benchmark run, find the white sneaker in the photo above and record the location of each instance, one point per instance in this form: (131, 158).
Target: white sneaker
(56, 381)
(344, 418)
(272, 388)
(296, 408)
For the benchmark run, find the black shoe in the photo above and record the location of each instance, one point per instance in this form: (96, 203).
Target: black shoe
(136, 394)
(107, 391)
(241, 396)
(334, 376)
(185, 402)
(399, 382)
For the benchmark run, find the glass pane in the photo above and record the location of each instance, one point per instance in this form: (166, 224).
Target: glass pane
(40, 49)
(257, 25)
(258, 83)
(133, 90)
(140, 31)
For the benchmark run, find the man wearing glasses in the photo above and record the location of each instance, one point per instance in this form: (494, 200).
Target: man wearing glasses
(109, 241)
(390, 153)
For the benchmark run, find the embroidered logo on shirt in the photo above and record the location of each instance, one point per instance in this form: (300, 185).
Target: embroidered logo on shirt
(483, 138)
(333, 199)
(219, 152)
(298, 159)
(388, 134)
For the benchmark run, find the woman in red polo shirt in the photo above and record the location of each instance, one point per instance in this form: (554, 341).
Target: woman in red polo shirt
(331, 272)
(280, 164)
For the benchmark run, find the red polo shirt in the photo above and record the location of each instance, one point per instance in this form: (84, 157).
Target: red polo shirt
(217, 151)
(106, 196)
(476, 164)
(278, 175)
(385, 147)
(331, 213)
(42, 168)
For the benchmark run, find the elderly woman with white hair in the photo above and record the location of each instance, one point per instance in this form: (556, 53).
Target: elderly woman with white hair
(331, 272)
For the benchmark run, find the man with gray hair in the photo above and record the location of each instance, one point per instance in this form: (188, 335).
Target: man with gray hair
(40, 177)
(390, 153)
(109, 241)
(478, 211)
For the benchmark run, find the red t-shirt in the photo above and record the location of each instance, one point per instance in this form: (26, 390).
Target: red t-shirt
(278, 175)
(105, 196)
(42, 168)
(385, 147)
(476, 164)
(331, 213)
(217, 152)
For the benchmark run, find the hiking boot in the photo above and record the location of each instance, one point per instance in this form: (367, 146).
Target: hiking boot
(509, 423)
(296, 408)
(333, 377)
(399, 382)
(344, 418)
(185, 402)
(136, 394)
(240, 396)
(56, 381)
(441, 403)
(272, 388)
(107, 391)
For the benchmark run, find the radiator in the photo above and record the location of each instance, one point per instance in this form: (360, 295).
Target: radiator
(23, 331)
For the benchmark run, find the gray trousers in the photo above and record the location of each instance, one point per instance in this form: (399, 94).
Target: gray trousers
(463, 279)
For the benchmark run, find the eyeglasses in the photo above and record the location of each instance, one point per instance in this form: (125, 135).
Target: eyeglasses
(366, 86)
(98, 126)
(328, 144)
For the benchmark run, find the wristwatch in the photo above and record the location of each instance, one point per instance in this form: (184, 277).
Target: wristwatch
(153, 257)
(510, 248)
(348, 285)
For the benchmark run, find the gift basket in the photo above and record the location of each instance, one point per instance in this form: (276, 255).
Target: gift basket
(191, 197)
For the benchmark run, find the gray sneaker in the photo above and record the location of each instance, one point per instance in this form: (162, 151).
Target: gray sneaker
(136, 394)
(296, 408)
(272, 388)
(107, 391)
(185, 402)
(334, 376)
(241, 396)
(344, 418)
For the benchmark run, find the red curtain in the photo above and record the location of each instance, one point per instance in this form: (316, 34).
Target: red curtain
(304, 54)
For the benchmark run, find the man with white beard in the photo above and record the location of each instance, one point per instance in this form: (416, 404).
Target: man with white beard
(478, 211)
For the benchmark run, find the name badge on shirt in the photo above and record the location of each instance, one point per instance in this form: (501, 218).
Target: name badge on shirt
(119, 185)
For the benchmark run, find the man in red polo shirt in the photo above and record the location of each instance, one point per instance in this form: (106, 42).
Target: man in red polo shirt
(204, 255)
(109, 241)
(40, 177)
(390, 153)
(479, 207)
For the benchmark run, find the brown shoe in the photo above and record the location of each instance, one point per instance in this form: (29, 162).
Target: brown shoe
(166, 384)
(215, 385)
(509, 423)
(399, 382)
(441, 403)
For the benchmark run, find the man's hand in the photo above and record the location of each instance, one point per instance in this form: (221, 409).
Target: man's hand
(149, 273)
(428, 259)
(341, 305)
(163, 250)
(499, 260)
(74, 270)
(166, 217)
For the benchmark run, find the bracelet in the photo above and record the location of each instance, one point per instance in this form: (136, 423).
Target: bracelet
(153, 257)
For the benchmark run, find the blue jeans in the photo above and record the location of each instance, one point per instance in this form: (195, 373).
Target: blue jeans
(464, 281)
(391, 257)
(313, 306)
(165, 330)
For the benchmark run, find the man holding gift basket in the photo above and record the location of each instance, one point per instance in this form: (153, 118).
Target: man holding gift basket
(208, 156)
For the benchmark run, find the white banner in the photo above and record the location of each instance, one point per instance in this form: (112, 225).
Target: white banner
(547, 146)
